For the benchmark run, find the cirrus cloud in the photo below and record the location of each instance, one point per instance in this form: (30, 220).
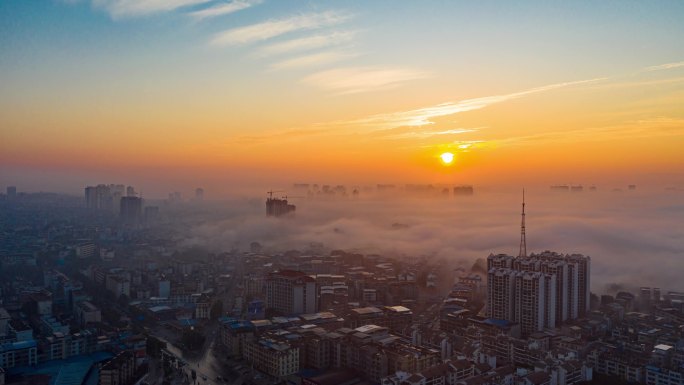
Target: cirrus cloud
(424, 116)
(363, 79)
(307, 43)
(272, 28)
(666, 66)
(315, 59)
(224, 8)
(118, 9)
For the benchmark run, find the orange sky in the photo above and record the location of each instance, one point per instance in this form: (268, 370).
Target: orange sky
(167, 108)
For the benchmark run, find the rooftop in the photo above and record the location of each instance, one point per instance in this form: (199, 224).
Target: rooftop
(398, 309)
(261, 323)
(367, 329)
(497, 322)
(366, 310)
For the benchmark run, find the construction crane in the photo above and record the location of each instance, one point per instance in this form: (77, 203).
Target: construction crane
(270, 193)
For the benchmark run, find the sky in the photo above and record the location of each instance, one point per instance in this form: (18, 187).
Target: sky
(169, 95)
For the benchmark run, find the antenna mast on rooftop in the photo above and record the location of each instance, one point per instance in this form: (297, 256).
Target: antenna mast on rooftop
(523, 242)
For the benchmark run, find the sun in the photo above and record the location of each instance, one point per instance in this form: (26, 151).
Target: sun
(447, 157)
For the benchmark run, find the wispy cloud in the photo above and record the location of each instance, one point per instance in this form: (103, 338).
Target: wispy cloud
(665, 66)
(307, 43)
(642, 128)
(380, 124)
(428, 134)
(639, 83)
(316, 59)
(224, 8)
(272, 28)
(424, 116)
(131, 8)
(362, 79)
(664, 121)
(466, 145)
(459, 145)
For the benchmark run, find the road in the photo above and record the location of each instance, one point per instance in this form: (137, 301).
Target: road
(211, 363)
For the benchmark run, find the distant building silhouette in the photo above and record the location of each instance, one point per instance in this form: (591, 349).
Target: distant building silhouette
(95, 196)
(276, 207)
(463, 190)
(131, 209)
(11, 192)
(386, 187)
(104, 197)
(175, 197)
(199, 194)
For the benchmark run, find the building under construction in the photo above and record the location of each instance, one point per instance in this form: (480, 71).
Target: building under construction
(276, 207)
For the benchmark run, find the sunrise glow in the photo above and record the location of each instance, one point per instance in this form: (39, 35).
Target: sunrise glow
(166, 94)
(447, 157)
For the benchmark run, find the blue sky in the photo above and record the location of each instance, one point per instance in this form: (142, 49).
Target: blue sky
(551, 39)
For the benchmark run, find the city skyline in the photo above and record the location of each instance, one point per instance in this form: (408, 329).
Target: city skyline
(112, 297)
(263, 93)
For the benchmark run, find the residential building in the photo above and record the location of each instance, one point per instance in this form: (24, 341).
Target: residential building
(291, 292)
(120, 370)
(275, 358)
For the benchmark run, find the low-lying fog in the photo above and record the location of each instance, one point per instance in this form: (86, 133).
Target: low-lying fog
(634, 238)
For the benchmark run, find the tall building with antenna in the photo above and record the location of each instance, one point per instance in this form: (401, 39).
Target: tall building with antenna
(537, 291)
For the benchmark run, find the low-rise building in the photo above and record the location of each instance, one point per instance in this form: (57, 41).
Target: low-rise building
(235, 334)
(88, 313)
(275, 358)
(20, 353)
(120, 370)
